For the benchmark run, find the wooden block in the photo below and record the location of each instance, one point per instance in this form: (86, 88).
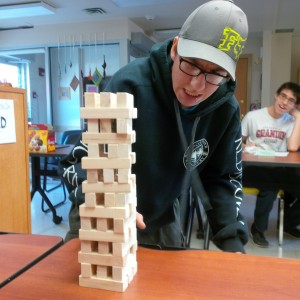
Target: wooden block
(86, 270)
(109, 199)
(133, 157)
(87, 223)
(121, 249)
(121, 199)
(119, 225)
(108, 99)
(124, 126)
(107, 113)
(108, 138)
(124, 175)
(108, 176)
(112, 151)
(86, 246)
(91, 99)
(105, 163)
(90, 199)
(104, 272)
(125, 100)
(101, 236)
(92, 176)
(102, 259)
(124, 150)
(105, 284)
(105, 125)
(104, 224)
(118, 274)
(104, 212)
(105, 248)
(93, 125)
(93, 150)
(100, 187)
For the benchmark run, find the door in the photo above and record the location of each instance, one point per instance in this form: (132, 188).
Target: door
(243, 77)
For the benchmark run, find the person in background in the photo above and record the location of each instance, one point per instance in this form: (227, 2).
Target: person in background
(188, 130)
(274, 128)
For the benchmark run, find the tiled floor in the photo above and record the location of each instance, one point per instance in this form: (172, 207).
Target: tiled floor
(42, 224)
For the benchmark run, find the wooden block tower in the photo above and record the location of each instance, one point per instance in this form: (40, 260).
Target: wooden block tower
(108, 216)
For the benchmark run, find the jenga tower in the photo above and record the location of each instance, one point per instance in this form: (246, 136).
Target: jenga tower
(108, 216)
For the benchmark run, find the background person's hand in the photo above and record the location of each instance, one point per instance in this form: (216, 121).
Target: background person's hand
(140, 221)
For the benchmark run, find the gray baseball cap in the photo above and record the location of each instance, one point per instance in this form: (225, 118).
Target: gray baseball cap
(216, 32)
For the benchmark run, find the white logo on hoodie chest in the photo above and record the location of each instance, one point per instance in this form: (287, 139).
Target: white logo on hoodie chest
(198, 155)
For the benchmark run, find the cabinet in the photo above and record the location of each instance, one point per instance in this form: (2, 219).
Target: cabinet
(14, 173)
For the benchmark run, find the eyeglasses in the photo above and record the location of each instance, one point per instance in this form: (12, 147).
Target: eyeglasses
(193, 70)
(284, 97)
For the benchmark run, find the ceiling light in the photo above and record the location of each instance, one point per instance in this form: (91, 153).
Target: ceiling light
(27, 9)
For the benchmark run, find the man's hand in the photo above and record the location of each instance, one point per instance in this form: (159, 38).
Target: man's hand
(140, 221)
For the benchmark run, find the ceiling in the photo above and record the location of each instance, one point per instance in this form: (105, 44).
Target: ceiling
(153, 15)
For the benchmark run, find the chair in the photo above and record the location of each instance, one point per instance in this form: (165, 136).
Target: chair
(69, 137)
(254, 191)
(203, 230)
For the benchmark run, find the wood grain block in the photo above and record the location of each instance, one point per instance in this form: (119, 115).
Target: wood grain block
(121, 249)
(104, 272)
(108, 138)
(133, 157)
(124, 175)
(102, 236)
(124, 126)
(104, 224)
(105, 125)
(104, 212)
(91, 99)
(93, 150)
(90, 199)
(108, 176)
(92, 176)
(93, 125)
(86, 270)
(87, 223)
(105, 163)
(108, 99)
(107, 113)
(101, 283)
(124, 150)
(100, 187)
(112, 151)
(125, 100)
(102, 260)
(109, 199)
(104, 248)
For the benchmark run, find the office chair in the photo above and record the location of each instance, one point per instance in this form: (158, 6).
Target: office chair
(280, 195)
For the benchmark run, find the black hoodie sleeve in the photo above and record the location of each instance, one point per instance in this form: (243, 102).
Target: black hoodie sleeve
(223, 184)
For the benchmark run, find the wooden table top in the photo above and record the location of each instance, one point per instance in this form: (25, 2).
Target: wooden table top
(18, 252)
(291, 160)
(186, 274)
(61, 150)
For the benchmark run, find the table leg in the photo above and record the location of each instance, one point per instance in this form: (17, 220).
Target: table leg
(36, 187)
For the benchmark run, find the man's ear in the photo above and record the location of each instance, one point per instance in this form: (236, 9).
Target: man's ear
(173, 51)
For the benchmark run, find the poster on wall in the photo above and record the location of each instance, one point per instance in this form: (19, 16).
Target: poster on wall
(64, 93)
(7, 122)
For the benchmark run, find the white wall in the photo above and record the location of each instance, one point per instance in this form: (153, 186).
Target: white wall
(277, 63)
(253, 47)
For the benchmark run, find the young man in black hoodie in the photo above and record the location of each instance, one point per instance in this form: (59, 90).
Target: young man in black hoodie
(188, 129)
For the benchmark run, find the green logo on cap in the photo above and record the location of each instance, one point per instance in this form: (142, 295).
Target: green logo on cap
(232, 41)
